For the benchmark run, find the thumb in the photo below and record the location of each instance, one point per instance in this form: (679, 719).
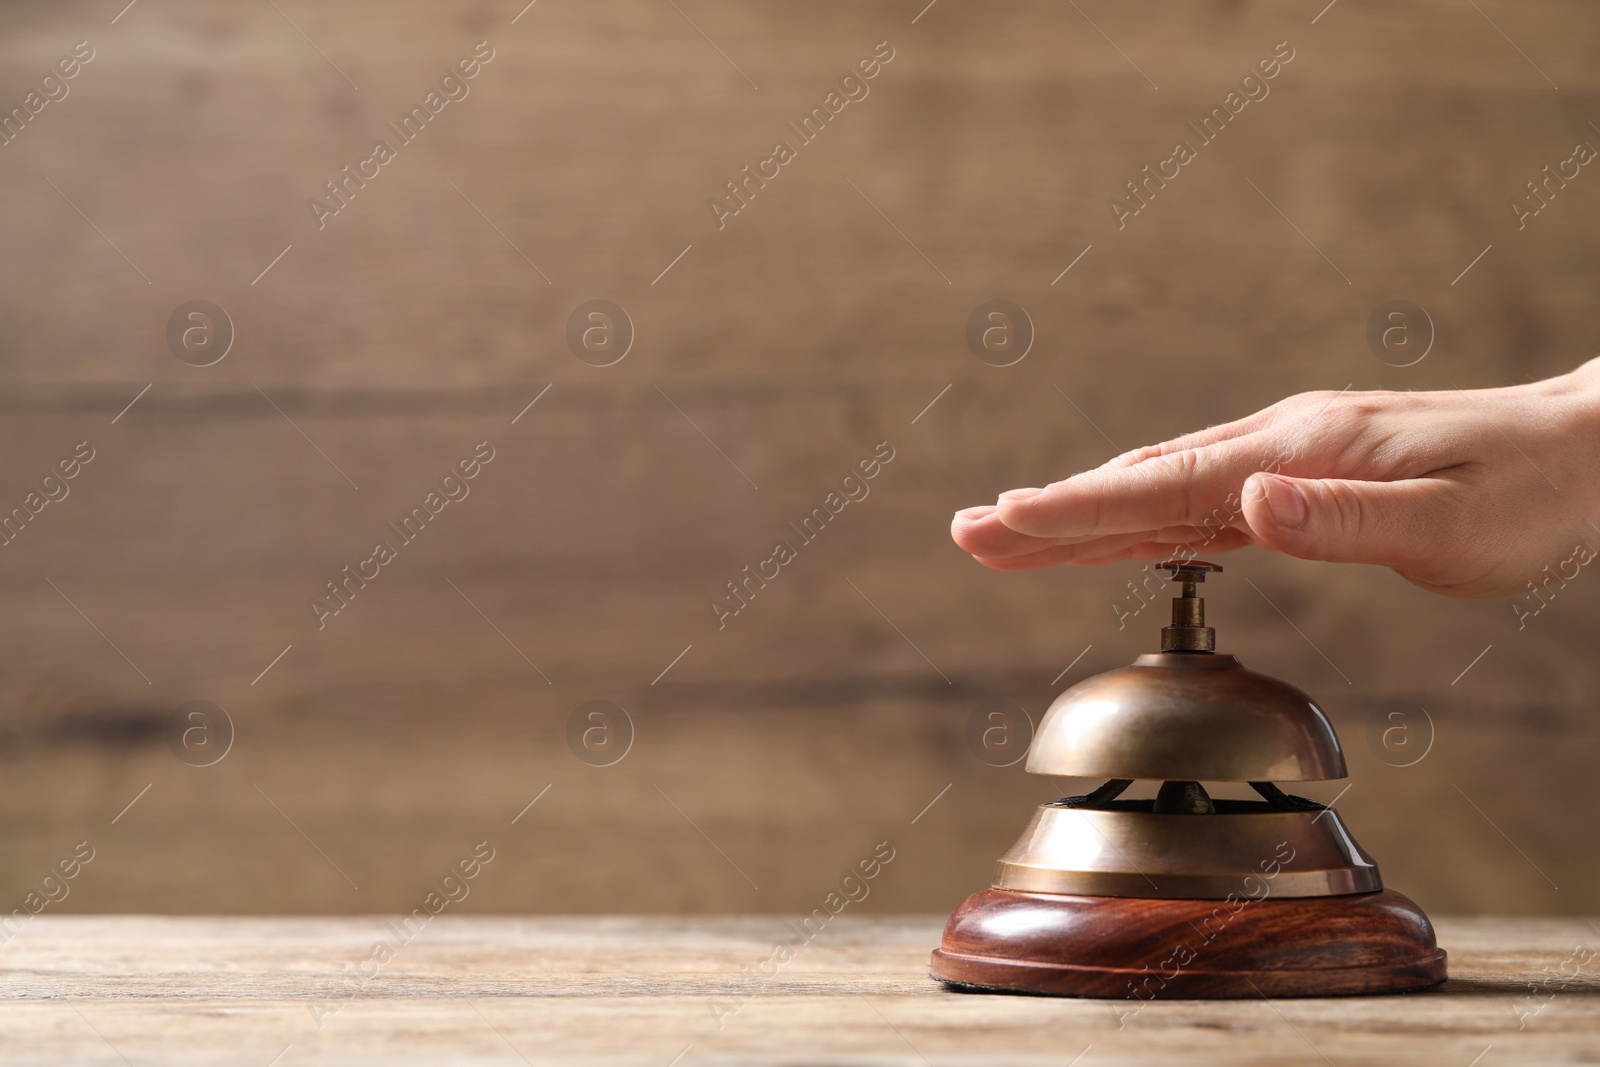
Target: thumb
(1402, 524)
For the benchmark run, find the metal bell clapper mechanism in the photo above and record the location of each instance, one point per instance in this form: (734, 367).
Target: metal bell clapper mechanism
(1186, 894)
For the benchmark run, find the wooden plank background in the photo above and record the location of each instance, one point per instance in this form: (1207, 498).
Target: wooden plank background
(769, 359)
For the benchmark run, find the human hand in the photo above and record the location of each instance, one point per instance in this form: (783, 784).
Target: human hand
(1467, 494)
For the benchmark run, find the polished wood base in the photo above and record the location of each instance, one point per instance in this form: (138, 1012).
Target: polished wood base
(1139, 948)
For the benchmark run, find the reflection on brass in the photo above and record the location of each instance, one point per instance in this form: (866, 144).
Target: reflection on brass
(1186, 716)
(1132, 853)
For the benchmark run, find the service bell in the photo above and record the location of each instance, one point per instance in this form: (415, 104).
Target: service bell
(1185, 894)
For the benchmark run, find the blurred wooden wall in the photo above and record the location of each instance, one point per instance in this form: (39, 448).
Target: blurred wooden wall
(770, 358)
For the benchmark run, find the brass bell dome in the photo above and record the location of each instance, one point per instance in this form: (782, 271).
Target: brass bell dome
(1186, 713)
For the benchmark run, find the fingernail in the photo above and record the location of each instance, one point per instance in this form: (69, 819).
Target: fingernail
(1019, 494)
(1286, 501)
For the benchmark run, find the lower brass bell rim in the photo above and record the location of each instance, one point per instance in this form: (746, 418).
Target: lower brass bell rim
(1243, 853)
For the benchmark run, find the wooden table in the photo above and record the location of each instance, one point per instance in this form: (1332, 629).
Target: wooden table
(628, 990)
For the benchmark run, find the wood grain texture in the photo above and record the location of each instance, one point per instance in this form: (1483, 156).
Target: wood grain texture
(636, 992)
(1141, 949)
(795, 339)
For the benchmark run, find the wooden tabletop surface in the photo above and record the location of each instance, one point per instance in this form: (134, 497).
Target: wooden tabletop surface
(686, 992)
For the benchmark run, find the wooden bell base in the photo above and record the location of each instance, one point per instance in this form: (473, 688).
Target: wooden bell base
(1134, 947)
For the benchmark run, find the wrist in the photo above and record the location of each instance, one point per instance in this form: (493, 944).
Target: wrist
(1574, 400)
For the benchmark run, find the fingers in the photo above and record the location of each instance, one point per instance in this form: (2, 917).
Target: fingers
(1199, 438)
(1408, 525)
(1220, 541)
(1112, 549)
(1050, 555)
(980, 532)
(1179, 488)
